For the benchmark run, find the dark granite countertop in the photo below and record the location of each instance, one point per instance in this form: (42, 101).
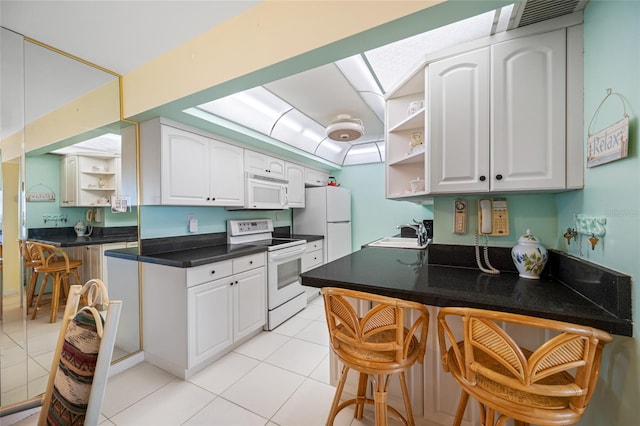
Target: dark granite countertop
(411, 275)
(195, 250)
(66, 237)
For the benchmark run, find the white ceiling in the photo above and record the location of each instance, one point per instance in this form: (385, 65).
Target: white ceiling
(121, 35)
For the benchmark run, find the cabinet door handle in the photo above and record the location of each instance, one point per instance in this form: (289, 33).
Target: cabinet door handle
(251, 262)
(482, 178)
(213, 271)
(498, 177)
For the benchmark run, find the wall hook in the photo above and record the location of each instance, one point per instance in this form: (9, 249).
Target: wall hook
(593, 240)
(570, 234)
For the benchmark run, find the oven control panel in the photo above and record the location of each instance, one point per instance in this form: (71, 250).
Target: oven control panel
(249, 226)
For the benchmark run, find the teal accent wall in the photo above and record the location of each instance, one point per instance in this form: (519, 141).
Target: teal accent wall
(372, 215)
(612, 191)
(536, 212)
(43, 175)
(168, 221)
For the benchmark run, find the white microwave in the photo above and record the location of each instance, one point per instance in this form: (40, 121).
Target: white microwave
(265, 193)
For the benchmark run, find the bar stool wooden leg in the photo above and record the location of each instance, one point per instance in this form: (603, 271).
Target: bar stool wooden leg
(55, 297)
(462, 405)
(361, 396)
(407, 401)
(337, 396)
(45, 278)
(31, 289)
(380, 402)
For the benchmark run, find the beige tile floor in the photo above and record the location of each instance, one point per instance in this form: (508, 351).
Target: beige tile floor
(277, 378)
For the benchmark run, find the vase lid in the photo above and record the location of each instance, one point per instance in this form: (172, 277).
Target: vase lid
(528, 238)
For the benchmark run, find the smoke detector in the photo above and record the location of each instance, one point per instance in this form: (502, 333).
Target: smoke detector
(345, 128)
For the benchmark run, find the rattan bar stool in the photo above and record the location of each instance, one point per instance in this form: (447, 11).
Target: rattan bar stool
(550, 385)
(55, 264)
(29, 263)
(377, 344)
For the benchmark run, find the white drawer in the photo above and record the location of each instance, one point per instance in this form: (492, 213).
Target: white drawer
(311, 260)
(244, 263)
(314, 245)
(209, 272)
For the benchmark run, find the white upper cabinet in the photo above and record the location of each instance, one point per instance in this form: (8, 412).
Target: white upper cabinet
(313, 177)
(87, 180)
(295, 187)
(226, 175)
(192, 169)
(405, 132)
(263, 165)
(528, 104)
(496, 118)
(185, 167)
(458, 143)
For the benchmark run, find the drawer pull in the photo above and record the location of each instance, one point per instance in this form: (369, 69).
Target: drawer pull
(213, 271)
(251, 262)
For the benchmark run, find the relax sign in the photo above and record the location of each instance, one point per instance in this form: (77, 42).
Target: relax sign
(609, 144)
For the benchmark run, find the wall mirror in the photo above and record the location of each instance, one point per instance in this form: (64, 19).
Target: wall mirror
(59, 106)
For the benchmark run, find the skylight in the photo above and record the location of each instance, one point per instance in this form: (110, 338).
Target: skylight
(271, 111)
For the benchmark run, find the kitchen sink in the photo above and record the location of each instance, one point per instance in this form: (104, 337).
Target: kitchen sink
(399, 242)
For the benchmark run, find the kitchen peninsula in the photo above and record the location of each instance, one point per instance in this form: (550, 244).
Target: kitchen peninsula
(444, 275)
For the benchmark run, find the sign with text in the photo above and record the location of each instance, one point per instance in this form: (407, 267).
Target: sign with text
(609, 144)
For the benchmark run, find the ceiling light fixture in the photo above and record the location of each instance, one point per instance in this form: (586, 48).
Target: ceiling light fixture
(345, 128)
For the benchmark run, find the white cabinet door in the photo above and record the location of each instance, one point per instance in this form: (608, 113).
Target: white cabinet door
(68, 181)
(249, 302)
(313, 177)
(227, 174)
(209, 324)
(458, 142)
(528, 105)
(263, 165)
(185, 167)
(295, 188)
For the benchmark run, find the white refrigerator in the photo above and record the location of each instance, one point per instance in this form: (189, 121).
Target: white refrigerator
(327, 212)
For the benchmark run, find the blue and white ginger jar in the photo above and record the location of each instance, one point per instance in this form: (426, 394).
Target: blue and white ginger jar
(529, 256)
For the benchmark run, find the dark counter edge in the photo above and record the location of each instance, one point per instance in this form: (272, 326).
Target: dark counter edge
(66, 236)
(583, 278)
(196, 250)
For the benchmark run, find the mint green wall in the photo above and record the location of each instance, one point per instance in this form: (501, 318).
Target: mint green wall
(372, 215)
(165, 221)
(536, 212)
(43, 175)
(612, 60)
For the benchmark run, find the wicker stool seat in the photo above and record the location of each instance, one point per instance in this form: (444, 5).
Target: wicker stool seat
(377, 345)
(551, 385)
(54, 263)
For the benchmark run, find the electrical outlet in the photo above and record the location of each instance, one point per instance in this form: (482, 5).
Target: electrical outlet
(193, 224)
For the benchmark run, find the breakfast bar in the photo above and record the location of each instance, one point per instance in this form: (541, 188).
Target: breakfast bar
(570, 289)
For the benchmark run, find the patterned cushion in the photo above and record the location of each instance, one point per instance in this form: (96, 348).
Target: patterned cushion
(77, 365)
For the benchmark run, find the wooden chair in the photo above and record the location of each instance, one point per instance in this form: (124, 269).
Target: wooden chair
(377, 345)
(80, 365)
(550, 385)
(53, 262)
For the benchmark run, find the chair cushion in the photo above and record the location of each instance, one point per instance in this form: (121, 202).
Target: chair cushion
(72, 384)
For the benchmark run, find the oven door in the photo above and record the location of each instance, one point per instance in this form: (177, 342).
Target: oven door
(284, 269)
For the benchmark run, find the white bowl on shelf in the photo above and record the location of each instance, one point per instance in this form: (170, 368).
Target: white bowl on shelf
(417, 185)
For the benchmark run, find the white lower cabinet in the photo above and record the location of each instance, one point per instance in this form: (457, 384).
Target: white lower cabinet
(193, 316)
(312, 257)
(93, 260)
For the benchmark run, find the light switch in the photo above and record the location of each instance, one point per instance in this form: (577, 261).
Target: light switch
(193, 225)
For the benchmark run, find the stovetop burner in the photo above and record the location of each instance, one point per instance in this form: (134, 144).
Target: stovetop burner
(258, 232)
